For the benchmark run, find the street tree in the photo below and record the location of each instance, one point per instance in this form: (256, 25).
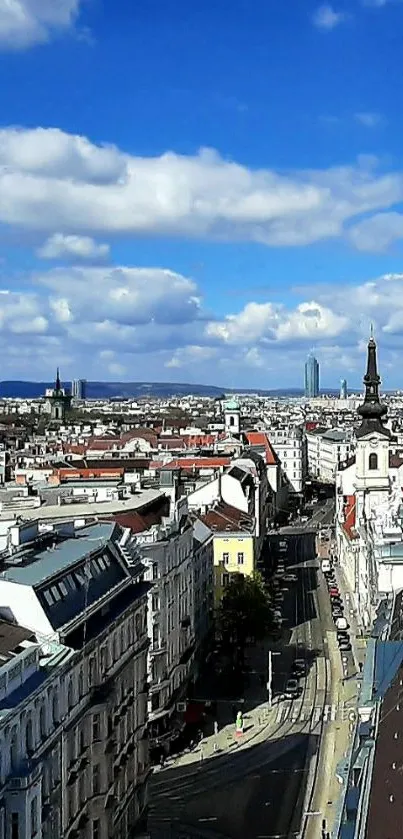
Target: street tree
(245, 611)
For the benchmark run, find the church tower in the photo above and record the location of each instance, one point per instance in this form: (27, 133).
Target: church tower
(373, 438)
(58, 400)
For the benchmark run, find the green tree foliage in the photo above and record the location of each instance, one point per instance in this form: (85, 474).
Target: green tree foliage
(245, 610)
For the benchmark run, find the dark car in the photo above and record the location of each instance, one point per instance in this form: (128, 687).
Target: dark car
(299, 668)
(342, 635)
(292, 689)
(344, 646)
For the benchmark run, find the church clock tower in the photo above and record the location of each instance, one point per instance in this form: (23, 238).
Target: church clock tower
(372, 450)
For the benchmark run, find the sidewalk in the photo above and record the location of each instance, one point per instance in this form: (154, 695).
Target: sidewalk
(256, 714)
(346, 685)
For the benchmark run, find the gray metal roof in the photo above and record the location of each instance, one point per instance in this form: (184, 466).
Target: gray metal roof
(46, 564)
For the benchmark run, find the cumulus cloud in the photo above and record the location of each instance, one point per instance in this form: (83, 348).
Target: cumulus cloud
(325, 17)
(24, 23)
(139, 323)
(77, 247)
(52, 182)
(268, 322)
(192, 354)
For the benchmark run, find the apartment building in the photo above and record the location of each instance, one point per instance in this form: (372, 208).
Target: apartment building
(290, 445)
(327, 450)
(74, 729)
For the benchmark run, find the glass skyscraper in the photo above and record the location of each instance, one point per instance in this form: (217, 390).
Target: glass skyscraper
(311, 377)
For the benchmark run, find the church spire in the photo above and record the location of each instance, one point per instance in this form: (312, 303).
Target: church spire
(372, 411)
(58, 386)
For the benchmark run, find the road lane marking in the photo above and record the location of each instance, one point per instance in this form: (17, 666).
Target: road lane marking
(333, 712)
(279, 716)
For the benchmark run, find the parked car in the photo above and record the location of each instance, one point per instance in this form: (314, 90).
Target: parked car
(342, 623)
(344, 639)
(334, 592)
(337, 606)
(290, 578)
(300, 666)
(342, 633)
(345, 646)
(292, 689)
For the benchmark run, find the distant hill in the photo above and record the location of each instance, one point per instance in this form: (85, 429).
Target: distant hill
(135, 390)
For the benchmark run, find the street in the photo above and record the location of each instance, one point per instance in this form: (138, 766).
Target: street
(258, 791)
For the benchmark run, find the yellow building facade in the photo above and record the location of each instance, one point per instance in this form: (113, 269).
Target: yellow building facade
(233, 554)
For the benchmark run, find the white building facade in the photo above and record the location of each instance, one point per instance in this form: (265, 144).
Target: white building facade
(326, 450)
(369, 507)
(78, 741)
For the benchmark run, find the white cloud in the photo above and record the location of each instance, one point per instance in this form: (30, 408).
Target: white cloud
(139, 323)
(325, 17)
(192, 354)
(24, 23)
(378, 232)
(368, 118)
(274, 323)
(77, 247)
(56, 183)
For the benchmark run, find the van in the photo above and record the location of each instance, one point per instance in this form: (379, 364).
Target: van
(341, 623)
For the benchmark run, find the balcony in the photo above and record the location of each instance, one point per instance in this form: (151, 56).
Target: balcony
(100, 694)
(158, 649)
(27, 774)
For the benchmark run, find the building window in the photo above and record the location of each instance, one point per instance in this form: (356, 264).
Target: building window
(225, 558)
(15, 826)
(91, 671)
(96, 829)
(155, 571)
(240, 558)
(42, 720)
(96, 727)
(156, 635)
(155, 603)
(225, 580)
(34, 816)
(95, 779)
(29, 736)
(373, 461)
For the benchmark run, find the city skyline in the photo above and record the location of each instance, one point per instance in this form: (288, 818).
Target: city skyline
(176, 227)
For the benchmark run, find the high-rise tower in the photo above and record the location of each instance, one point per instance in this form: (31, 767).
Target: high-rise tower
(311, 377)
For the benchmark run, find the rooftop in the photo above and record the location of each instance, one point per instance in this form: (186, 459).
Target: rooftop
(12, 636)
(82, 510)
(44, 565)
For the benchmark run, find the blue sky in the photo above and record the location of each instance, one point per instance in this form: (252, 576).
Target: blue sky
(200, 192)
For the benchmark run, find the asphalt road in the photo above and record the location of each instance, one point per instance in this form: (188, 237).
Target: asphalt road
(257, 792)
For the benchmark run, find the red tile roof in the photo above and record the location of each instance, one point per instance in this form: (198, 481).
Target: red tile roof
(144, 519)
(197, 440)
(385, 811)
(260, 438)
(223, 517)
(197, 463)
(168, 443)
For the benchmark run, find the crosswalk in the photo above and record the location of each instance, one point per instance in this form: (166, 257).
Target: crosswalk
(293, 712)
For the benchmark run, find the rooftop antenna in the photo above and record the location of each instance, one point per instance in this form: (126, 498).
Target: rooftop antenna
(371, 330)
